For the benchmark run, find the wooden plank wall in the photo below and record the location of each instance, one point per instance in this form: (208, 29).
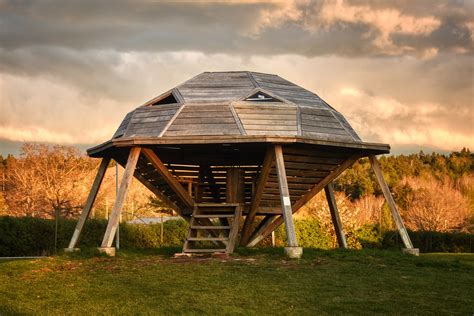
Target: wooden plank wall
(322, 124)
(204, 120)
(216, 87)
(149, 121)
(123, 126)
(346, 125)
(267, 119)
(287, 90)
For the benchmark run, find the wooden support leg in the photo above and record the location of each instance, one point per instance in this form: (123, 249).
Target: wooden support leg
(336, 220)
(393, 207)
(257, 196)
(89, 203)
(272, 225)
(117, 209)
(292, 250)
(258, 235)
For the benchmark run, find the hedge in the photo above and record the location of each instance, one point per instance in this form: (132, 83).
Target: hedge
(29, 236)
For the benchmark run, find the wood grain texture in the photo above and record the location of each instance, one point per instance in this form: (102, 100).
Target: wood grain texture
(285, 197)
(257, 196)
(168, 177)
(336, 219)
(304, 199)
(89, 202)
(391, 202)
(117, 209)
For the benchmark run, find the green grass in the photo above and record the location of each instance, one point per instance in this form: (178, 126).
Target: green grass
(251, 282)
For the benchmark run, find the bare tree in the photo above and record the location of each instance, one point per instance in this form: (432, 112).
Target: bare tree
(49, 180)
(435, 205)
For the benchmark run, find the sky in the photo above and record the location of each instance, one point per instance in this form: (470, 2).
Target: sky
(401, 72)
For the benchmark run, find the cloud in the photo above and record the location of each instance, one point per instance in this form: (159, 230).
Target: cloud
(247, 27)
(383, 21)
(400, 71)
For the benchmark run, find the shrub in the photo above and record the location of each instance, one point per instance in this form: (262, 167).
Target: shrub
(369, 236)
(429, 241)
(28, 236)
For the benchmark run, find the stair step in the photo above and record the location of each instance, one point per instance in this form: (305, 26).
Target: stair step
(210, 227)
(213, 215)
(224, 205)
(208, 238)
(203, 250)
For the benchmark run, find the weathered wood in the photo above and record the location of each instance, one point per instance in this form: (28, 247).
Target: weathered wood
(89, 202)
(250, 218)
(234, 231)
(336, 220)
(168, 177)
(235, 190)
(171, 121)
(206, 175)
(349, 146)
(270, 128)
(285, 198)
(160, 194)
(208, 114)
(304, 199)
(260, 229)
(391, 202)
(117, 209)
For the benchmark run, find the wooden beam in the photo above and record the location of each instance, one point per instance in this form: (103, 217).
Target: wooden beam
(319, 186)
(235, 185)
(117, 209)
(235, 230)
(336, 220)
(391, 202)
(305, 198)
(169, 178)
(150, 186)
(262, 179)
(285, 197)
(89, 202)
(161, 195)
(262, 227)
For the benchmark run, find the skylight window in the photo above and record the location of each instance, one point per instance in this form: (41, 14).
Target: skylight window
(170, 99)
(261, 97)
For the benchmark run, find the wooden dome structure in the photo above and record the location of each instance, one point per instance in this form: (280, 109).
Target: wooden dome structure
(235, 154)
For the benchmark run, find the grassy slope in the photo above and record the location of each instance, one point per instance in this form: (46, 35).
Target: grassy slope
(356, 282)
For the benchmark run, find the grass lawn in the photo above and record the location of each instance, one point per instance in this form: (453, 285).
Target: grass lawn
(250, 282)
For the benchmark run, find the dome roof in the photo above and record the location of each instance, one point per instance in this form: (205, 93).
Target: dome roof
(237, 105)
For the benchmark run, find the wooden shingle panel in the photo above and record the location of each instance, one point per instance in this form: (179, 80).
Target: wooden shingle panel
(150, 120)
(204, 120)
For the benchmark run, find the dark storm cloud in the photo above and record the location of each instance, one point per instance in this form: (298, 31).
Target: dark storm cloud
(224, 28)
(417, 55)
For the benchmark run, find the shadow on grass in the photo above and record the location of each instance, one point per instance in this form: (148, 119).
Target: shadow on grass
(364, 256)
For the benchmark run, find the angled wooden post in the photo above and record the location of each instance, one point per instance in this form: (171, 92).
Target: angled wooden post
(169, 178)
(262, 179)
(117, 209)
(262, 226)
(293, 251)
(272, 225)
(336, 220)
(393, 207)
(89, 203)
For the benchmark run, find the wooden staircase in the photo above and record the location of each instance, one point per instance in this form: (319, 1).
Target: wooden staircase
(213, 228)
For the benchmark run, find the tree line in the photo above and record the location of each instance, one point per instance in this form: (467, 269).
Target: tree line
(433, 191)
